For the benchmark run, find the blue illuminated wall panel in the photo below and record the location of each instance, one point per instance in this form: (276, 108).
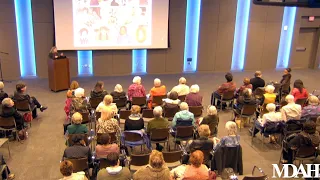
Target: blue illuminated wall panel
(240, 34)
(287, 30)
(191, 35)
(24, 25)
(85, 63)
(139, 61)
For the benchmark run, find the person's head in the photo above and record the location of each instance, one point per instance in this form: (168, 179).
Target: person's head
(66, 168)
(104, 139)
(229, 77)
(290, 98)
(21, 87)
(309, 127)
(7, 102)
(157, 111)
(157, 82)
(137, 80)
(182, 80)
(212, 110)
(53, 49)
(269, 89)
(246, 81)
(184, 106)
(74, 85)
(76, 118)
(156, 159)
(77, 138)
(173, 95)
(247, 93)
(113, 159)
(79, 92)
(108, 99)
(118, 88)
(204, 130)
(258, 74)
(135, 109)
(298, 84)
(314, 100)
(196, 158)
(123, 30)
(99, 86)
(194, 88)
(287, 71)
(106, 113)
(271, 107)
(231, 127)
(1, 85)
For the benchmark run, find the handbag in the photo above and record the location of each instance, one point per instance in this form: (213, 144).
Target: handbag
(27, 117)
(23, 134)
(226, 173)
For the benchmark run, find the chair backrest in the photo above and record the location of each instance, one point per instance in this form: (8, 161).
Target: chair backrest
(139, 159)
(22, 105)
(140, 101)
(113, 136)
(157, 100)
(249, 109)
(94, 102)
(132, 136)
(7, 123)
(121, 101)
(85, 117)
(302, 101)
(263, 177)
(124, 114)
(171, 157)
(98, 115)
(103, 163)
(196, 110)
(85, 138)
(182, 98)
(181, 122)
(184, 131)
(80, 164)
(228, 95)
(170, 112)
(305, 151)
(159, 134)
(147, 113)
(258, 93)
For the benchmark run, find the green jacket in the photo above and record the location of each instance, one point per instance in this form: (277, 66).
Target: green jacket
(77, 129)
(157, 123)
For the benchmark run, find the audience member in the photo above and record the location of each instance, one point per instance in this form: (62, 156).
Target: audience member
(79, 102)
(298, 91)
(78, 149)
(157, 123)
(2, 93)
(231, 140)
(136, 89)
(285, 81)
(66, 169)
(173, 99)
(245, 99)
(184, 116)
(118, 92)
(195, 171)
(313, 109)
(107, 103)
(291, 111)
(104, 146)
(155, 170)
(106, 123)
(157, 90)
(21, 95)
(134, 121)
(246, 85)
(98, 91)
(257, 81)
(77, 127)
(8, 110)
(212, 120)
(73, 86)
(182, 88)
(6, 174)
(225, 87)
(269, 96)
(194, 98)
(114, 171)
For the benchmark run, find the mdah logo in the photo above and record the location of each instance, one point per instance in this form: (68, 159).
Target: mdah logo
(312, 171)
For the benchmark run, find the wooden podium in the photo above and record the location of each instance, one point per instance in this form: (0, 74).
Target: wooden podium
(59, 74)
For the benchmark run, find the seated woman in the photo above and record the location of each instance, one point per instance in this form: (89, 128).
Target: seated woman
(196, 170)
(182, 88)
(194, 98)
(2, 93)
(78, 149)
(118, 92)
(66, 169)
(291, 111)
(298, 91)
(246, 85)
(8, 110)
(104, 146)
(107, 103)
(73, 86)
(157, 90)
(77, 127)
(155, 170)
(245, 99)
(212, 120)
(98, 91)
(134, 121)
(270, 116)
(231, 140)
(106, 123)
(228, 86)
(136, 89)
(173, 99)
(269, 96)
(309, 137)
(79, 103)
(183, 116)
(313, 109)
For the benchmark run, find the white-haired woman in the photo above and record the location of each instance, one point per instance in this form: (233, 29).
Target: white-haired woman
(136, 89)
(157, 90)
(231, 140)
(291, 111)
(269, 96)
(194, 98)
(183, 116)
(182, 88)
(79, 103)
(313, 109)
(2, 93)
(118, 92)
(212, 120)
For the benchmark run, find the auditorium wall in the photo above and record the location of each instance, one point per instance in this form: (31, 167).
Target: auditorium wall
(217, 26)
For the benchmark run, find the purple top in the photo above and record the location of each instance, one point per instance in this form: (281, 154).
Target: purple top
(194, 99)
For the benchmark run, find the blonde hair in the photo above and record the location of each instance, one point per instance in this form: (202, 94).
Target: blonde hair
(157, 111)
(53, 47)
(156, 159)
(135, 109)
(195, 88)
(246, 81)
(212, 110)
(77, 118)
(204, 130)
(79, 92)
(6, 102)
(108, 99)
(271, 107)
(289, 98)
(106, 113)
(118, 88)
(182, 80)
(231, 127)
(157, 82)
(269, 89)
(137, 80)
(74, 85)
(314, 100)
(1, 85)
(184, 106)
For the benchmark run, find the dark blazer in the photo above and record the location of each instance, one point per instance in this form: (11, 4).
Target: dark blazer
(212, 121)
(3, 95)
(130, 125)
(77, 151)
(12, 112)
(100, 94)
(52, 55)
(22, 96)
(241, 101)
(117, 95)
(203, 144)
(257, 82)
(285, 83)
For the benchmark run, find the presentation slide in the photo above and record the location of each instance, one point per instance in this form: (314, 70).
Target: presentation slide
(111, 24)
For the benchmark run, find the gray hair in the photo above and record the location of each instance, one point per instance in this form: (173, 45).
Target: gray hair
(231, 128)
(137, 80)
(79, 92)
(271, 107)
(118, 88)
(195, 88)
(157, 111)
(184, 106)
(1, 85)
(6, 102)
(182, 80)
(212, 110)
(289, 98)
(269, 89)
(157, 82)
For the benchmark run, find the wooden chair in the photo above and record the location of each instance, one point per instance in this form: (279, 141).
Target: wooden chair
(85, 117)
(24, 107)
(85, 138)
(94, 102)
(103, 163)
(9, 124)
(147, 115)
(302, 101)
(98, 115)
(133, 139)
(140, 101)
(247, 111)
(182, 98)
(121, 102)
(137, 161)
(157, 100)
(184, 133)
(172, 159)
(170, 112)
(123, 115)
(196, 110)
(80, 164)
(160, 135)
(226, 97)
